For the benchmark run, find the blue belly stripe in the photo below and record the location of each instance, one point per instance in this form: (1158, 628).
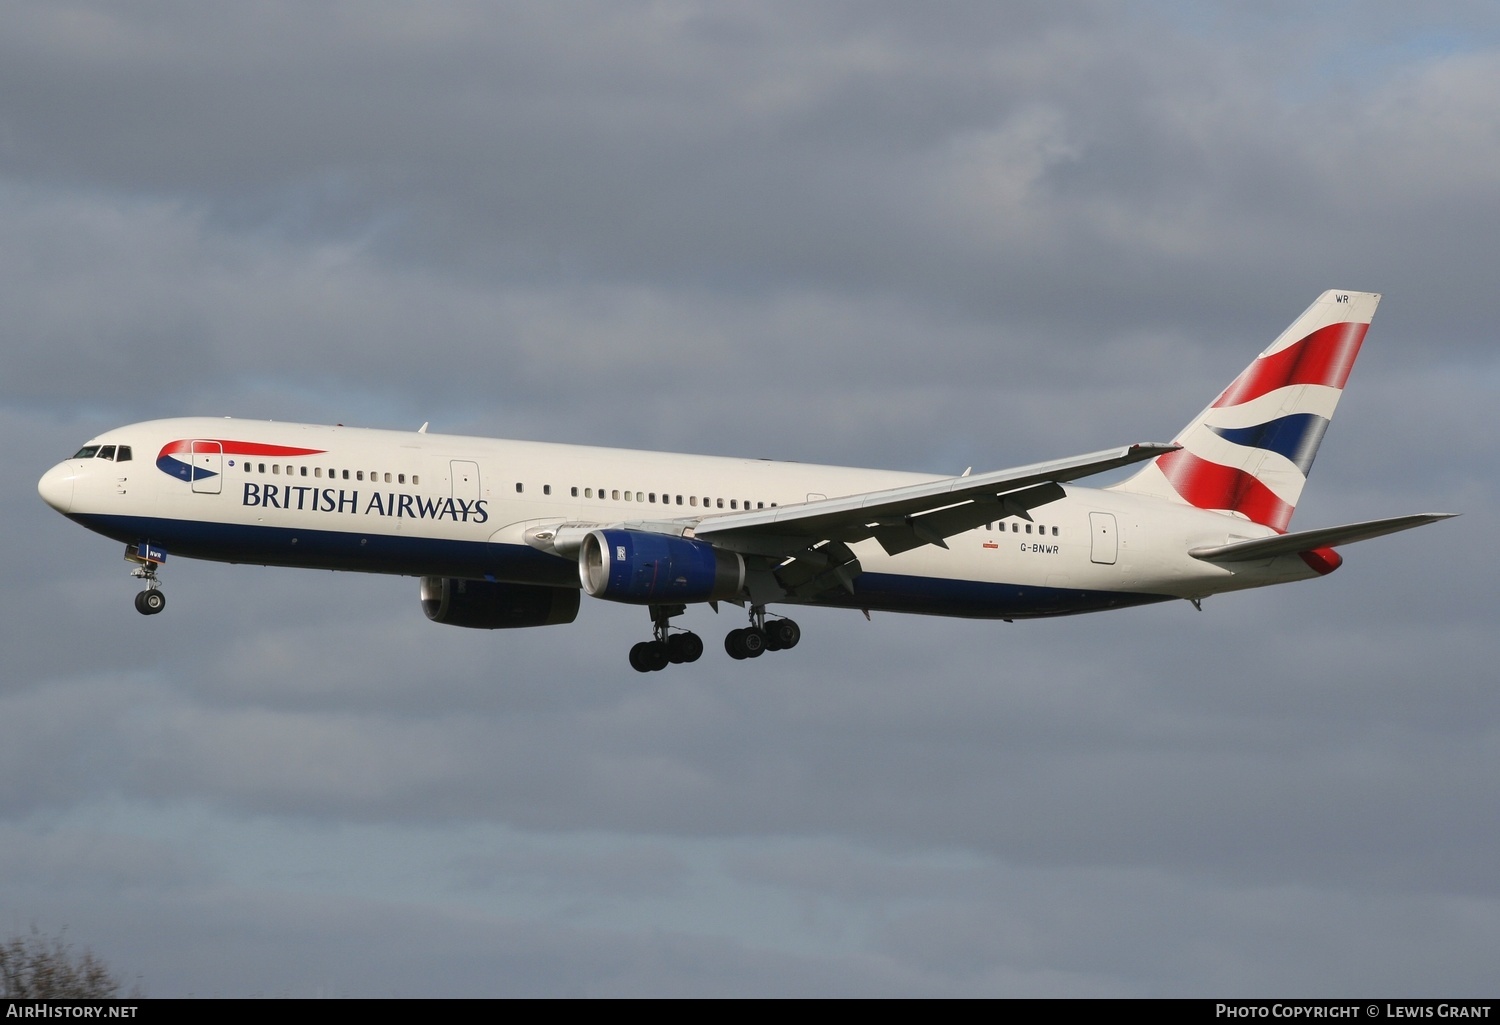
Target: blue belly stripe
(483, 560)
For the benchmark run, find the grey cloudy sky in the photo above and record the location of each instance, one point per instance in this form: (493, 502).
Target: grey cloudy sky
(910, 236)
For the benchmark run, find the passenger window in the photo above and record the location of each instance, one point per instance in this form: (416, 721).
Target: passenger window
(1054, 531)
(679, 499)
(734, 503)
(627, 496)
(387, 477)
(346, 474)
(574, 492)
(588, 492)
(359, 475)
(518, 487)
(615, 494)
(692, 500)
(721, 503)
(276, 469)
(652, 497)
(302, 472)
(546, 489)
(414, 479)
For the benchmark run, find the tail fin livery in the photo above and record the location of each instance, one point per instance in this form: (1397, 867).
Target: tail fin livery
(1250, 451)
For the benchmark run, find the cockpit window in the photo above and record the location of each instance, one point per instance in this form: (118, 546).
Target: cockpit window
(119, 453)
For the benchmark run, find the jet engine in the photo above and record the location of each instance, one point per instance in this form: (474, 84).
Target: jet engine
(484, 605)
(643, 568)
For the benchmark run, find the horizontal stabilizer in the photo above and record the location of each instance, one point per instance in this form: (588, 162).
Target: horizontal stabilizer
(1307, 540)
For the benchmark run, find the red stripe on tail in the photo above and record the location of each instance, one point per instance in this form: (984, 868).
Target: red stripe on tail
(1324, 357)
(1214, 486)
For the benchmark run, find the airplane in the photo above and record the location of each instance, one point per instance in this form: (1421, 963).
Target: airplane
(506, 534)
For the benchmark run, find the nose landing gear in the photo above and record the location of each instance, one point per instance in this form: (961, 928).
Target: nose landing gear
(146, 558)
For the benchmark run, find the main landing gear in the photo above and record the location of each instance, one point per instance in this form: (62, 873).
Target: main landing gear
(666, 648)
(761, 636)
(146, 558)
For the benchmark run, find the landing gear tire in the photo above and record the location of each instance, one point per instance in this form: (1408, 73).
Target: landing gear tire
(684, 647)
(782, 634)
(665, 648)
(149, 603)
(746, 643)
(649, 657)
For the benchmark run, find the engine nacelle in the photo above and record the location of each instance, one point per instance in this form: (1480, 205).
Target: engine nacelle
(491, 606)
(644, 568)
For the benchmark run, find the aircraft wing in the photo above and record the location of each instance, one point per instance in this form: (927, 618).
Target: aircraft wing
(1307, 540)
(914, 515)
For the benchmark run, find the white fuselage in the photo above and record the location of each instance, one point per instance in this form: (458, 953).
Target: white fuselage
(422, 504)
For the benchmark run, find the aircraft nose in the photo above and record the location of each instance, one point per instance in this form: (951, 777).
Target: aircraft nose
(56, 487)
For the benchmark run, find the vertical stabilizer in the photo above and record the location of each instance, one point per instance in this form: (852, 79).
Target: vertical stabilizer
(1250, 451)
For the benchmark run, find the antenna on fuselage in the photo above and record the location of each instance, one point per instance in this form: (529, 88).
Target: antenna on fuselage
(423, 428)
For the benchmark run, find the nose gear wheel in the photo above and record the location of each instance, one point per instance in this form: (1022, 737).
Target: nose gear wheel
(152, 600)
